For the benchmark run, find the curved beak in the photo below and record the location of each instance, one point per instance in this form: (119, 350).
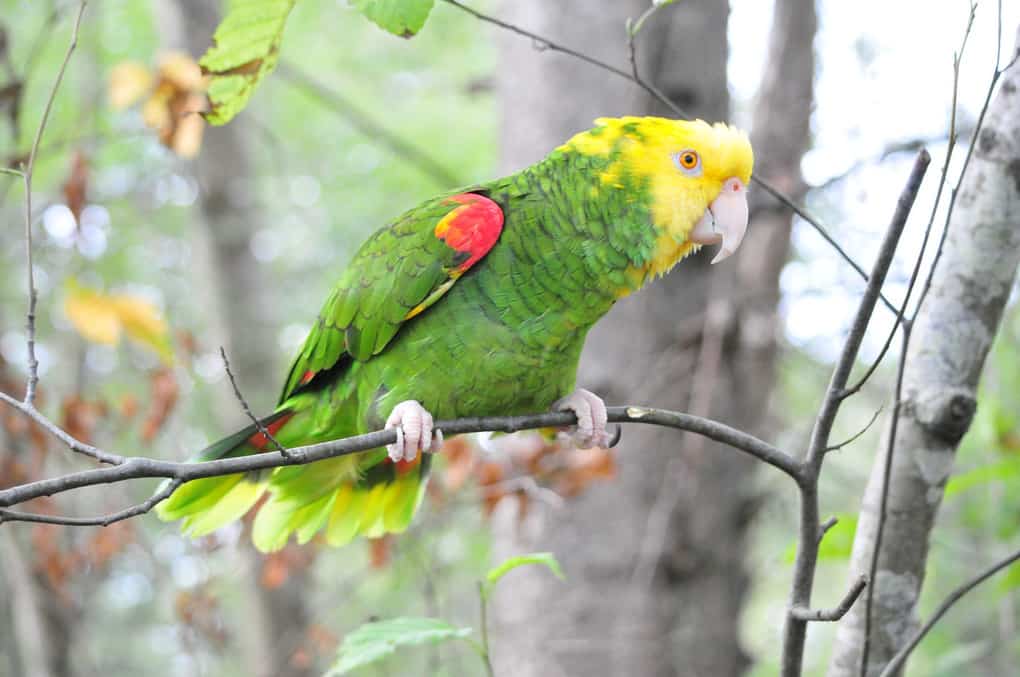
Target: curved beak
(725, 220)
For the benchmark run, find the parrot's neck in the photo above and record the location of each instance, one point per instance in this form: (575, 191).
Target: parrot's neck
(607, 226)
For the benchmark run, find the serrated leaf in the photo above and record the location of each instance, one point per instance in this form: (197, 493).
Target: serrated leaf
(374, 641)
(403, 18)
(547, 559)
(246, 48)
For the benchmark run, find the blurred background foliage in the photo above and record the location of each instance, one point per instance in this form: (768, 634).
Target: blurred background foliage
(118, 254)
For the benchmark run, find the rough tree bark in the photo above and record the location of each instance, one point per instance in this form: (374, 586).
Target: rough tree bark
(655, 559)
(951, 339)
(276, 619)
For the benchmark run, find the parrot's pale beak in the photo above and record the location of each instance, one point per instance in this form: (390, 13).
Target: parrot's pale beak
(725, 220)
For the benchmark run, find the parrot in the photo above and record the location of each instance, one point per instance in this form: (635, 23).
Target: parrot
(476, 302)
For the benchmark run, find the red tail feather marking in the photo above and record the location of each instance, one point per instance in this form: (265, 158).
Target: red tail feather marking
(308, 376)
(259, 440)
(403, 467)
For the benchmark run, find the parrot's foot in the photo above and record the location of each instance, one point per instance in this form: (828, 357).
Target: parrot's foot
(415, 433)
(590, 410)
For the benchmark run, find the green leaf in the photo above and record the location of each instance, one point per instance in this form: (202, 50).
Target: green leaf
(400, 17)
(246, 49)
(546, 559)
(374, 641)
(1008, 469)
(838, 543)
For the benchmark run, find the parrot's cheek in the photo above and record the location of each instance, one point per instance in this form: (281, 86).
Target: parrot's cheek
(725, 220)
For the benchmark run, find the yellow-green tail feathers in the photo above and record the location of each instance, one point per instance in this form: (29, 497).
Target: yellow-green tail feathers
(358, 495)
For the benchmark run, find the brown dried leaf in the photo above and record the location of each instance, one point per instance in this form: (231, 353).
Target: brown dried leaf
(79, 417)
(379, 551)
(164, 392)
(278, 566)
(77, 184)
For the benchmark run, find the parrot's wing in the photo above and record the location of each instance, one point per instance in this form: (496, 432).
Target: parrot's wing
(400, 271)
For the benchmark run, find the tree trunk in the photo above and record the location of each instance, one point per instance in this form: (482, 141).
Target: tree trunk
(951, 339)
(655, 559)
(275, 620)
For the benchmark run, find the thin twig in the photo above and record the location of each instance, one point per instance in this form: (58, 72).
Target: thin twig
(795, 631)
(837, 612)
(901, 315)
(56, 431)
(367, 125)
(634, 77)
(855, 436)
(901, 656)
(33, 363)
(825, 526)
(101, 521)
(247, 410)
(142, 467)
(997, 73)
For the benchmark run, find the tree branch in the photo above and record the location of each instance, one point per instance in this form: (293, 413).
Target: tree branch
(837, 612)
(56, 431)
(901, 656)
(27, 170)
(142, 467)
(795, 631)
(247, 410)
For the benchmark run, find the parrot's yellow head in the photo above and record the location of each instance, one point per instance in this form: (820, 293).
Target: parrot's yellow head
(696, 177)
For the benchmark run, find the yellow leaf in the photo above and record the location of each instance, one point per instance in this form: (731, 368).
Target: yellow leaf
(187, 137)
(183, 71)
(129, 81)
(102, 318)
(143, 322)
(156, 109)
(92, 315)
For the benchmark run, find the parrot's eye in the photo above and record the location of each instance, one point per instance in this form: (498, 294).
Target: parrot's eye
(688, 162)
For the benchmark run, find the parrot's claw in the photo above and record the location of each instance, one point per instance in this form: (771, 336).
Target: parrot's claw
(590, 410)
(415, 432)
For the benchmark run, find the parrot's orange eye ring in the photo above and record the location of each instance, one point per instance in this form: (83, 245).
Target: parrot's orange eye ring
(688, 161)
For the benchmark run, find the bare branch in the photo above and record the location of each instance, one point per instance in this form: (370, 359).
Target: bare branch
(825, 526)
(33, 363)
(141, 467)
(897, 661)
(894, 423)
(102, 521)
(56, 431)
(795, 631)
(247, 410)
(855, 436)
(837, 612)
(901, 318)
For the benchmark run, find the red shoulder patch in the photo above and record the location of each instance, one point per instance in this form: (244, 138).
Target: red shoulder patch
(472, 228)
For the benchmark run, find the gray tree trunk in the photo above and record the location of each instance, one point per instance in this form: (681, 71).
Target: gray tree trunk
(655, 558)
(275, 620)
(951, 339)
